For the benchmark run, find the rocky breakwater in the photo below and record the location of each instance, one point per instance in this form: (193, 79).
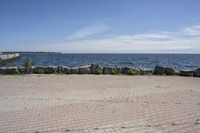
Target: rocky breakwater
(96, 69)
(159, 70)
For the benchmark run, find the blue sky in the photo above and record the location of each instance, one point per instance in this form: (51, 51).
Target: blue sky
(111, 26)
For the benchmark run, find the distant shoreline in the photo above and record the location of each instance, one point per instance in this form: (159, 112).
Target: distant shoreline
(99, 53)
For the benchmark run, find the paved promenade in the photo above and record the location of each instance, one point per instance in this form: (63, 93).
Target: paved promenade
(99, 104)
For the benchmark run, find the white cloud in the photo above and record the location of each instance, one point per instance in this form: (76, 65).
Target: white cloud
(193, 30)
(186, 40)
(88, 31)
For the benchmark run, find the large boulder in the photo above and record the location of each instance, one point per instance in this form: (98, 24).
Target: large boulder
(24, 70)
(159, 70)
(188, 73)
(74, 70)
(50, 69)
(130, 71)
(39, 70)
(169, 71)
(12, 70)
(111, 70)
(197, 72)
(85, 70)
(66, 70)
(107, 70)
(177, 72)
(124, 70)
(145, 71)
(116, 70)
(59, 69)
(3, 70)
(96, 69)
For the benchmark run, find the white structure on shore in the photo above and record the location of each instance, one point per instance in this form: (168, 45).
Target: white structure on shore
(8, 56)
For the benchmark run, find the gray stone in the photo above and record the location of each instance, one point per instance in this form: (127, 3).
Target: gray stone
(66, 70)
(3, 70)
(125, 70)
(197, 72)
(130, 71)
(74, 70)
(145, 71)
(169, 71)
(85, 70)
(111, 70)
(159, 70)
(177, 72)
(39, 70)
(12, 70)
(107, 70)
(49, 69)
(188, 73)
(96, 69)
(59, 69)
(24, 70)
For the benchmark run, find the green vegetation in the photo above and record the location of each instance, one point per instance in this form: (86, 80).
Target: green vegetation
(98, 71)
(132, 72)
(115, 71)
(27, 64)
(13, 71)
(41, 71)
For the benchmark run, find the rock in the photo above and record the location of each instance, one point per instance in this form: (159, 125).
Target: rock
(96, 69)
(177, 72)
(50, 69)
(145, 71)
(39, 70)
(159, 70)
(188, 73)
(169, 71)
(12, 70)
(111, 70)
(197, 72)
(115, 71)
(3, 70)
(130, 71)
(59, 69)
(74, 70)
(107, 70)
(24, 70)
(66, 70)
(85, 70)
(124, 70)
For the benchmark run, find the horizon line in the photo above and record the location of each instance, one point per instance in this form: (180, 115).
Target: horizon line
(91, 52)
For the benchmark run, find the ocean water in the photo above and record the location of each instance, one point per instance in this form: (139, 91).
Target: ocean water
(179, 61)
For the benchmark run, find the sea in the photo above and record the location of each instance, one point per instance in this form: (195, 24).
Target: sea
(149, 61)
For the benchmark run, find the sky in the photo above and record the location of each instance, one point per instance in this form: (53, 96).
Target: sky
(100, 26)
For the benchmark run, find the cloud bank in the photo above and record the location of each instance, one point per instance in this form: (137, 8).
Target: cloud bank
(186, 40)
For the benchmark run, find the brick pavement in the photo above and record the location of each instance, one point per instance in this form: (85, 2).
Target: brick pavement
(99, 104)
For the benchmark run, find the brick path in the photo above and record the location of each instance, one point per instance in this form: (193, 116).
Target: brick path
(99, 104)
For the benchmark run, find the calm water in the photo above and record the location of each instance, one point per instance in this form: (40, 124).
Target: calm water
(179, 61)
